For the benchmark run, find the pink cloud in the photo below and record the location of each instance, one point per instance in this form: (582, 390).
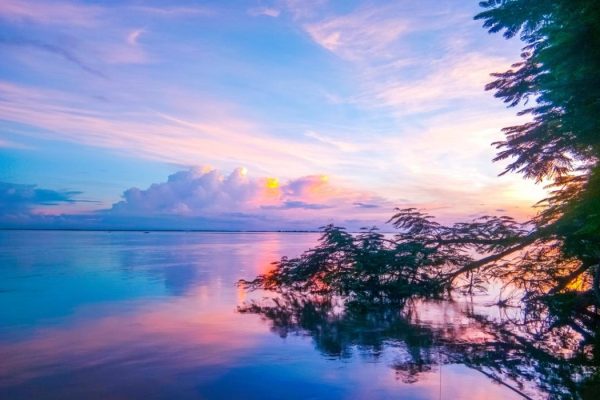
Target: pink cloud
(404, 161)
(450, 79)
(208, 192)
(399, 166)
(357, 35)
(50, 13)
(216, 135)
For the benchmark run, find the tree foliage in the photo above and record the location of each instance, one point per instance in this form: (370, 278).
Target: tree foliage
(559, 72)
(550, 265)
(550, 258)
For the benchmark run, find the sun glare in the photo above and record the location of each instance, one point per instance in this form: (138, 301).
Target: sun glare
(272, 183)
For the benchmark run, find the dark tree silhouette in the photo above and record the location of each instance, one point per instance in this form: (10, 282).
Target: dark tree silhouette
(551, 259)
(523, 358)
(560, 72)
(550, 265)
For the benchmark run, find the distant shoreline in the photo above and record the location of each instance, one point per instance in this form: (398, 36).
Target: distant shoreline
(157, 230)
(162, 230)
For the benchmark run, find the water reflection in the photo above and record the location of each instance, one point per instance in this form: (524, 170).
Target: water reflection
(558, 366)
(101, 315)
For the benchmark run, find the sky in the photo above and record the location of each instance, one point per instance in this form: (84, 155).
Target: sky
(250, 115)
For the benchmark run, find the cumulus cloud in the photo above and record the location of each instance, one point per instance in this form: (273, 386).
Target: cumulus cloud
(191, 192)
(209, 192)
(206, 198)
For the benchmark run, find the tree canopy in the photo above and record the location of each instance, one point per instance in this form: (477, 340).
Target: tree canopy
(558, 73)
(556, 254)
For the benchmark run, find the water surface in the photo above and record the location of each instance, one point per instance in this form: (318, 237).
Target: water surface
(128, 315)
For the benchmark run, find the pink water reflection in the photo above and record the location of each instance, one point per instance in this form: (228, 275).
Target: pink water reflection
(176, 333)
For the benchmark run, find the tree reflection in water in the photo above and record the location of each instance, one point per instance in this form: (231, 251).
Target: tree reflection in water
(521, 352)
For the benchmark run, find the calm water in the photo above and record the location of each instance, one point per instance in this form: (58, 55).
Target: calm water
(100, 315)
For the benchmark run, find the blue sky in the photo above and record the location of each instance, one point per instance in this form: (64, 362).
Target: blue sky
(249, 114)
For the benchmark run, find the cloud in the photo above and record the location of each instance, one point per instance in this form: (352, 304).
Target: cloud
(193, 192)
(289, 204)
(134, 36)
(448, 81)
(127, 51)
(7, 144)
(19, 198)
(264, 11)
(208, 192)
(406, 60)
(215, 134)
(175, 11)
(304, 9)
(66, 13)
(365, 205)
(50, 13)
(442, 163)
(205, 198)
(342, 145)
(360, 34)
(60, 27)
(59, 51)
(390, 72)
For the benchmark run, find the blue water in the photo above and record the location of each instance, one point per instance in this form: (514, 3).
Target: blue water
(131, 315)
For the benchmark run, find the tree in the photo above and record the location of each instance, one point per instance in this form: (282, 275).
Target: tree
(554, 257)
(550, 265)
(560, 72)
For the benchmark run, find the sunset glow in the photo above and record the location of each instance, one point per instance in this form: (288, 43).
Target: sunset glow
(299, 199)
(335, 107)
(272, 183)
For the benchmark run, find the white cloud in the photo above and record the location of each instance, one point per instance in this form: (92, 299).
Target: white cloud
(264, 11)
(174, 11)
(404, 60)
(209, 193)
(449, 80)
(134, 36)
(342, 145)
(205, 198)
